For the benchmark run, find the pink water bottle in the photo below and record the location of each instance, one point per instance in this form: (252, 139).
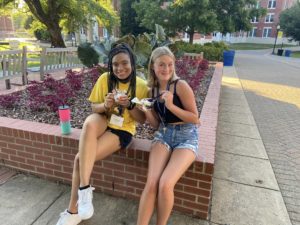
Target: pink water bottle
(65, 117)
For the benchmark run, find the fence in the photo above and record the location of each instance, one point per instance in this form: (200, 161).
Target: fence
(58, 58)
(15, 62)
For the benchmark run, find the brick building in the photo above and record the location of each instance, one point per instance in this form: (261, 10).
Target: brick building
(266, 26)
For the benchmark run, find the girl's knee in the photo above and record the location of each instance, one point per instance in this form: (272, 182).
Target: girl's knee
(165, 186)
(151, 185)
(93, 122)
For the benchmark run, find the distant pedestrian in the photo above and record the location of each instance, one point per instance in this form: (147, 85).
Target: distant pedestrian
(108, 129)
(175, 144)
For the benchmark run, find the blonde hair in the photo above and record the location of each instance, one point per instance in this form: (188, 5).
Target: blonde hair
(158, 52)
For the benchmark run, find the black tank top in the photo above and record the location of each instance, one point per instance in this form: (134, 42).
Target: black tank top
(164, 113)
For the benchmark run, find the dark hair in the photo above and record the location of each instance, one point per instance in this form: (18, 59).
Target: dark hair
(112, 78)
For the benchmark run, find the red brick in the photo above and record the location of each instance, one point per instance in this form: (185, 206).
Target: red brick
(3, 144)
(33, 150)
(17, 158)
(45, 138)
(44, 171)
(11, 163)
(196, 206)
(67, 169)
(204, 185)
(63, 162)
(135, 184)
(21, 134)
(209, 168)
(53, 154)
(24, 142)
(41, 145)
(27, 167)
(9, 151)
(124, 175)
(113, 166)
(198, 176)
(141, 178)
(197, 191)
(183, 195)
(183, 209)
(16, 147)
(43, 158)
(3, 156)
(203, 200)
(122, 160)
(113, 179)
(69, 157)
(27, 135)
(34, 162)
(7, 139)
(67, 176)
(187, 181)
(25, 155)
(124, 188)
(58, 140)
(52, 166)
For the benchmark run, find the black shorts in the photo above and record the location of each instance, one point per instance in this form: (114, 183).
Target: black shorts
(124, 136)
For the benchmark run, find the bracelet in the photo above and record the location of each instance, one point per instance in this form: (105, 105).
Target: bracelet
(131, 106)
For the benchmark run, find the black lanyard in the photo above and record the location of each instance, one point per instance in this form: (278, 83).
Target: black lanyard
(162, 113)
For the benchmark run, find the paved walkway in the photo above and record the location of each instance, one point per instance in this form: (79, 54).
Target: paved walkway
(272, 88)
(245, 189)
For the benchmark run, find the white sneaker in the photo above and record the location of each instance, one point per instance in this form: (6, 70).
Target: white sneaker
(85, 204)
(67, 218)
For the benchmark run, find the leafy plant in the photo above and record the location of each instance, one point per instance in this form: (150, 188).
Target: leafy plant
(88, 55)
(9, 101)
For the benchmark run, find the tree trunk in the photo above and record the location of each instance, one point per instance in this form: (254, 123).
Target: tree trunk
(57, 40)
(191, 39)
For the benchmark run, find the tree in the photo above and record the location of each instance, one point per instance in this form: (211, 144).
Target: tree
(180, 16)
(70, 14)
(235, 15)
(290, 22)
(128, 19)
(191, 16)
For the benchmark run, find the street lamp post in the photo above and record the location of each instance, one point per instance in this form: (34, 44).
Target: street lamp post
(277, 30)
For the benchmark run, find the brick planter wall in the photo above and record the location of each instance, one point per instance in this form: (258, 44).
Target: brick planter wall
(40, 149)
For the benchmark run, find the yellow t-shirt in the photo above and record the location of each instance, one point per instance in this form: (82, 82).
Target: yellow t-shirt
(101, 89)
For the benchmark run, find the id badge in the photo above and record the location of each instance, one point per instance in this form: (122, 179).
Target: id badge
(116, 120)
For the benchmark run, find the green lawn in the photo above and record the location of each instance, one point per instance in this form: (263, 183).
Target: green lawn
(296, 54)
(253, 46)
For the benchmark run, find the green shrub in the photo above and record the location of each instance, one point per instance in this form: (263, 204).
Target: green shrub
(212, 51)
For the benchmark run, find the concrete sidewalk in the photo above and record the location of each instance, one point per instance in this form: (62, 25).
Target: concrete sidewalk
(245, 191)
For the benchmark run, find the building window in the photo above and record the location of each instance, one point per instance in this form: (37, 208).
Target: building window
(253, 32)
(254, 20)
(267, 32)
(269, 18)
(272, 4)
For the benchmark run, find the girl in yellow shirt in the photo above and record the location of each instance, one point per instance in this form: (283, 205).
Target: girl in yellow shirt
(107, 130)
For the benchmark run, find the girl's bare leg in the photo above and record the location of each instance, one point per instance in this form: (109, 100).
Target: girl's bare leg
(179, 162)
(159, 156)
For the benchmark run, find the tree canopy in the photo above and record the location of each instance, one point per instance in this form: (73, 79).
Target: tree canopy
(290, 22)
(129, 24)
(202, 16)
(235, 15)
(68, 14)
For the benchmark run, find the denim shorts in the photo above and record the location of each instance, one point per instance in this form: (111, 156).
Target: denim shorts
(178, 136)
